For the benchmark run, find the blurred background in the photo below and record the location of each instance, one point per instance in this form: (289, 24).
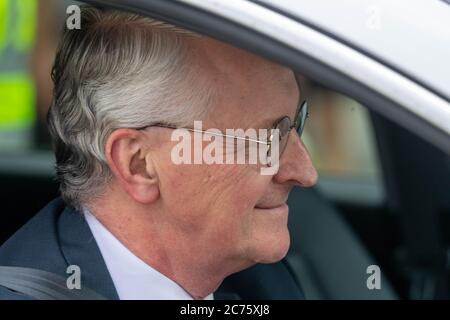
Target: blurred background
(29, 31)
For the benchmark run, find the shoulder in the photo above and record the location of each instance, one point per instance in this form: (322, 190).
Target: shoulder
(35, 245)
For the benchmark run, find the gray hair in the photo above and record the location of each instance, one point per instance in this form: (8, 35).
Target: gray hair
(121, 70)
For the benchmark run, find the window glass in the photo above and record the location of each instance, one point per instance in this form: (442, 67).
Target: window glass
(339, 137)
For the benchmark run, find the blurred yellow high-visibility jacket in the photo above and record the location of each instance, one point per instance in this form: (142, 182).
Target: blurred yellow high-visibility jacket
(17, 36)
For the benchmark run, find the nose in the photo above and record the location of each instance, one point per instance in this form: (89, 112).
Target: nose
(295, 163)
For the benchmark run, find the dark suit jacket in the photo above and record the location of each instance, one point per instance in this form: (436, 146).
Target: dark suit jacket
(59, 236)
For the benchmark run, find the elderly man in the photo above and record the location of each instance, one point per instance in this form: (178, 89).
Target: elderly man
(138, 225)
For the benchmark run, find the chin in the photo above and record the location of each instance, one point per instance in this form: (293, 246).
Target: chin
(273, 249)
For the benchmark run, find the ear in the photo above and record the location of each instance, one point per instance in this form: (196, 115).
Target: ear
(131, 163)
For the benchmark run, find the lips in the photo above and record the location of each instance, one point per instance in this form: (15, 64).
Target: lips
(274, 209)
(265, 207)
(272, 203)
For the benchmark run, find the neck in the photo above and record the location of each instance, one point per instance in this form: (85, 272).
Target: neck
(182, 258)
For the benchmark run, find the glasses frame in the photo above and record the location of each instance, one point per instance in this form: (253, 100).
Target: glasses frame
(301, 115)
(299, 124)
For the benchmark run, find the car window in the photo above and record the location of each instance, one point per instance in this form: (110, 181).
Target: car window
(340, 139)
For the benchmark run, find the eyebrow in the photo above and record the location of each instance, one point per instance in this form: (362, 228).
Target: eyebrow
(299, 104)
(266, 124)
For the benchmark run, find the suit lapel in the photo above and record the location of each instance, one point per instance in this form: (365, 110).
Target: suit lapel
(79, 248)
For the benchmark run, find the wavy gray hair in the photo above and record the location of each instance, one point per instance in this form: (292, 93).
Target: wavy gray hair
(121, 70)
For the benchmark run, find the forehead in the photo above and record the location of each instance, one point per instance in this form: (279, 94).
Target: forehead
(248, 87)
(234, 65)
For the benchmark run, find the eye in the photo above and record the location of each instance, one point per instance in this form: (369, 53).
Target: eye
(284, 125)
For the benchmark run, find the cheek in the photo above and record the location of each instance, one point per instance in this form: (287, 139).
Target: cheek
(218, 197)
(183, 193)
(241, 189)
(237, 186)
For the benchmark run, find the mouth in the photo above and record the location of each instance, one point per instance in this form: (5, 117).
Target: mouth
(274, 209)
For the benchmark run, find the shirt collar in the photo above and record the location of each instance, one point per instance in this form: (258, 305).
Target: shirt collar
(132, 277)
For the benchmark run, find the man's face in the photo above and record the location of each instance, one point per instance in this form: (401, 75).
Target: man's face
(231, 212)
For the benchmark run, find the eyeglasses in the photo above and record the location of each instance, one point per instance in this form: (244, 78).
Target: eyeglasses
(283, 125)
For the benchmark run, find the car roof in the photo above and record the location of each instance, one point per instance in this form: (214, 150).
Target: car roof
(412, 36)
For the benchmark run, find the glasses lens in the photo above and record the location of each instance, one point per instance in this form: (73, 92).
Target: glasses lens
(301, 118)
(283, 126)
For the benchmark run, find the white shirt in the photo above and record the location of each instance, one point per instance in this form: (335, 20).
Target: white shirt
(132, 277)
